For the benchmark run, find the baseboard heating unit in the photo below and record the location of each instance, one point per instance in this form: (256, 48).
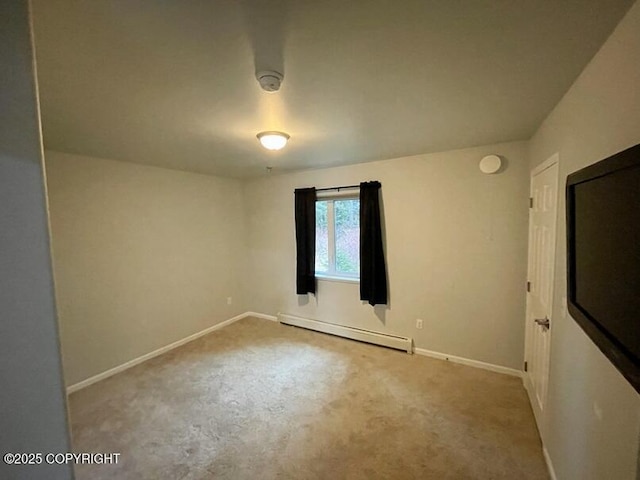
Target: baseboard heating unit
(384, 339)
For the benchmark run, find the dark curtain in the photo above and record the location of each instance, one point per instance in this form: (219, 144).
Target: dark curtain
(373, 274)
(305, 240)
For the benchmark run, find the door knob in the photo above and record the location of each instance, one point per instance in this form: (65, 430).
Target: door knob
(543, 322)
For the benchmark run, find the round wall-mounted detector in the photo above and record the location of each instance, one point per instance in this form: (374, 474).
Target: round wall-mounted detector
(490, 164)
(269, 80)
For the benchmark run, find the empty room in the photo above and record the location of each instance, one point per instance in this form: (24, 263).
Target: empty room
(264, 239)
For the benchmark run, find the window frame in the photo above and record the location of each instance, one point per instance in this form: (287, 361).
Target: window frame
(332, 274)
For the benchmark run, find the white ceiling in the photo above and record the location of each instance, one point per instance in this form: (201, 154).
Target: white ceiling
(171, 83)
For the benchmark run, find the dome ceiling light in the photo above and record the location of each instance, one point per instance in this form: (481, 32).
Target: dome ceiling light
(273, 140)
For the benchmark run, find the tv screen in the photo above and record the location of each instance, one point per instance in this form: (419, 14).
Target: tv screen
(603, 254)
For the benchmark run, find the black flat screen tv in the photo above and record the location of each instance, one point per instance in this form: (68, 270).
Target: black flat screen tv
(603, 257)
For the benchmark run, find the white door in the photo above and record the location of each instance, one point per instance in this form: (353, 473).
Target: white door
(542, 246)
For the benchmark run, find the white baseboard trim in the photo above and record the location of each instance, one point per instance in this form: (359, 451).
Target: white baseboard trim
(547, 459)
(467, 361)
(131, 363)
(273, 318)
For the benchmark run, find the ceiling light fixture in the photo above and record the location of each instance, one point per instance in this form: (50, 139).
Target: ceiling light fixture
(273, 140)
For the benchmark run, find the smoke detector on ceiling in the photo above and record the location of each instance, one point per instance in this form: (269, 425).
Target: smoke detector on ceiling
(269, 80)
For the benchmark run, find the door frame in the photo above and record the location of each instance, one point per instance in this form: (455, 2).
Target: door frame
(526, 379)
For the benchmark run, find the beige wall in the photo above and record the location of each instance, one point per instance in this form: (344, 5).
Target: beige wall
(143, 257)
(592, 420)
(33, 416)
(455, 243)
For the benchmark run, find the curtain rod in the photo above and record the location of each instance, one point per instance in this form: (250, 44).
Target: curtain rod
(345, 187)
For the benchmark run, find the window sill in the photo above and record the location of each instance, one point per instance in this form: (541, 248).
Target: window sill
(329, 278)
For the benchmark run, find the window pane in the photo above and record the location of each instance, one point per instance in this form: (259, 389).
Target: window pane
(347, 221)
(322, 238)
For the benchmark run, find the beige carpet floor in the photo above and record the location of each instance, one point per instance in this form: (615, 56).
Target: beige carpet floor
(260, 400)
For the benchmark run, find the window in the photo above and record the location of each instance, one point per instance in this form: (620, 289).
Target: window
(338, 238)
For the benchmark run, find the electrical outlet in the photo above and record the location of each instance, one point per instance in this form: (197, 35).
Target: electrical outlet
(229, 301)
(419, 324)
